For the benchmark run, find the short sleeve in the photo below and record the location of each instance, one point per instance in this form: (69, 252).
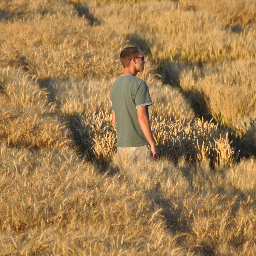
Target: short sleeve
(142, 96)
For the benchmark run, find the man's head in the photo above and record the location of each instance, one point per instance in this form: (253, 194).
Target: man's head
(129, 54)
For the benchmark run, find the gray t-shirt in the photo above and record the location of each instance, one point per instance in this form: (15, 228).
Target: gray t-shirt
(127, 94)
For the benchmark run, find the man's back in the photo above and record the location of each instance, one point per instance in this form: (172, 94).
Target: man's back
(127, 94)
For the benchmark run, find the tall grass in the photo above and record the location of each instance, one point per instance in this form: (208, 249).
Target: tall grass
(64, 191)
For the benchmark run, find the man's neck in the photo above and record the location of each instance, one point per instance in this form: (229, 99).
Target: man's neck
(130, 71)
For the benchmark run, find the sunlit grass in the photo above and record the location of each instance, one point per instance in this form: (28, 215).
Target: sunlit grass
(63, 190)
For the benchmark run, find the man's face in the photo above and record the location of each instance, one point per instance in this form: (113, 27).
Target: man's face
(139, 62)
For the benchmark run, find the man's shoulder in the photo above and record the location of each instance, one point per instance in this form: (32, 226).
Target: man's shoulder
(128, 81)
(130, 78)
(136, 79)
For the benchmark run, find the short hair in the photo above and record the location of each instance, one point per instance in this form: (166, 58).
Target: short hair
(127, 54)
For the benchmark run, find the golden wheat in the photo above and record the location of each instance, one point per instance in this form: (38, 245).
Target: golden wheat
(64, 191)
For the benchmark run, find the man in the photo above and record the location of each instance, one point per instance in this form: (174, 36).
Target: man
(130, 100)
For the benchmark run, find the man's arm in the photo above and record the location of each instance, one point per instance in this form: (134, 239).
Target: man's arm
(145, 126)
(113, 118)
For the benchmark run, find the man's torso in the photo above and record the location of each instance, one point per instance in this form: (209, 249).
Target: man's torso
(127, 94)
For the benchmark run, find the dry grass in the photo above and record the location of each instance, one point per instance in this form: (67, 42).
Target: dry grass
(58, 48)
(229, 91)
(63, 191)
(233, 12)
(27, 120)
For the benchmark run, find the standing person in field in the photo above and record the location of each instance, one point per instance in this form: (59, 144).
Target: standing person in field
(130, 100)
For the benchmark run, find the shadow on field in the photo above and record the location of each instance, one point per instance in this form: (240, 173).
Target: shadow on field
(81, 138)
(20, 61)
(243, 146)
(84, 146)
(173, 216)
(179, 224)
(47, 84)
(5, 16)
(83, 11)
(82, 141)
(181, 220)
(73, 123)
(169, 73)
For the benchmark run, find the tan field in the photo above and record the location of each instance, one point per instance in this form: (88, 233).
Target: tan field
(62, 189)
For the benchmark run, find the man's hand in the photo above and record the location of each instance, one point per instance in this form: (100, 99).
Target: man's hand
(154, 151)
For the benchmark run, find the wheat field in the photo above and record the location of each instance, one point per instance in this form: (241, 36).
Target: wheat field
(63, 191)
